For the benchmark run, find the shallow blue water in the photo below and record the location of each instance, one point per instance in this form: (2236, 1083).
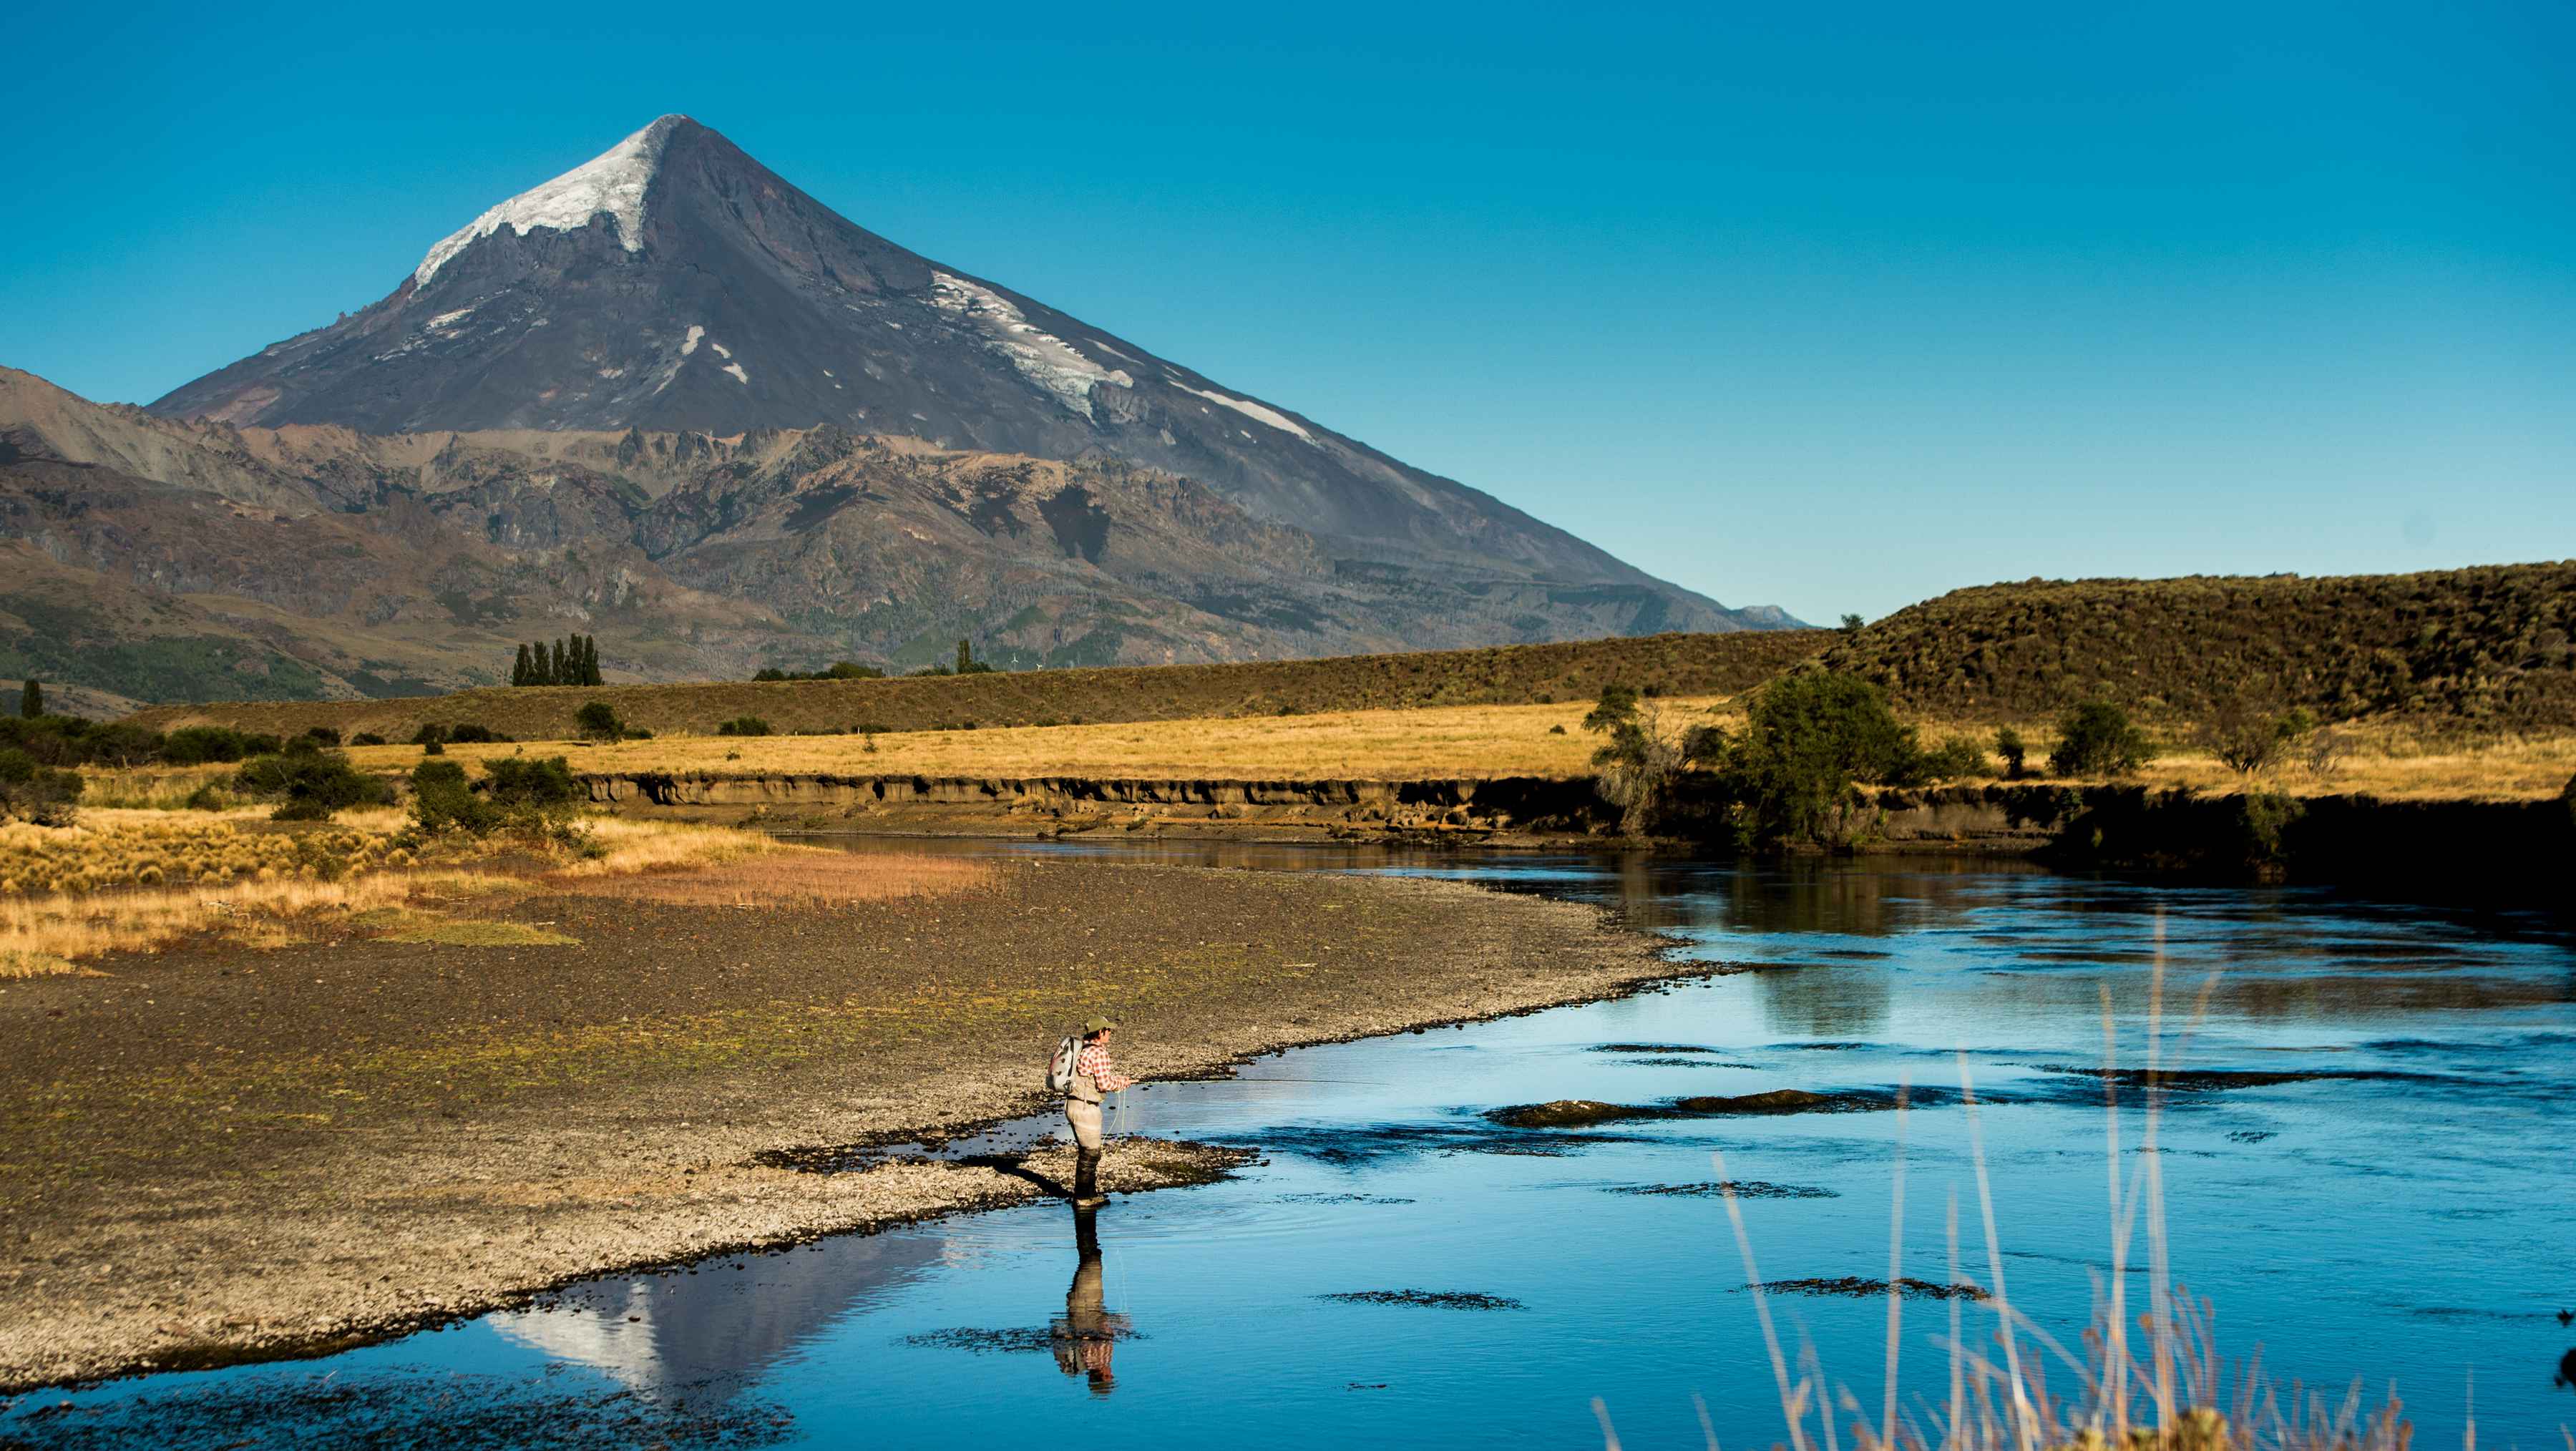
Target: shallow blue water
(2407, 1222)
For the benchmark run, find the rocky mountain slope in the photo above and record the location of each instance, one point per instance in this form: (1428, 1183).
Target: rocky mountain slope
(674, 286)
(157, 559)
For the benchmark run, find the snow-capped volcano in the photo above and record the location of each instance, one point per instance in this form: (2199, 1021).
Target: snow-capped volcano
(613, 182)
(674, 283)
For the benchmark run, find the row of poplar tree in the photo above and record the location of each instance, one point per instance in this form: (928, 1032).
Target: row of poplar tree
(573, 660)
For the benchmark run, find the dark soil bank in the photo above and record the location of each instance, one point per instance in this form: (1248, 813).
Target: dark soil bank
(218, 1154)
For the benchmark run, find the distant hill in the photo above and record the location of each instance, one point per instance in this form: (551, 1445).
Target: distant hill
(2484, 648)
(1721, 664)
(166, 560)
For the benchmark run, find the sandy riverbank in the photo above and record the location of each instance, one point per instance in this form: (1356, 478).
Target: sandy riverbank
(217, 1154)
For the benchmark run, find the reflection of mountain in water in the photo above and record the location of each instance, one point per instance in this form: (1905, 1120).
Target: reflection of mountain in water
(1828, 1000)
(716, 1331)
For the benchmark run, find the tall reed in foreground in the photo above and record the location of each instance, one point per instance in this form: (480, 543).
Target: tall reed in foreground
(2174, 1391)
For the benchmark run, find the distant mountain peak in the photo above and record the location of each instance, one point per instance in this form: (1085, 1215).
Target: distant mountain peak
(614, 182)
(676, 285)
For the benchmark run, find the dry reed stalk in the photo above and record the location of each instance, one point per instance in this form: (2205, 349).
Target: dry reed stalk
(2194, 1400)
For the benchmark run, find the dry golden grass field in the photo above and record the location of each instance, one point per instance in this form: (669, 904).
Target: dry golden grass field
(128, 880)
(1474, 742)
(1498, 675)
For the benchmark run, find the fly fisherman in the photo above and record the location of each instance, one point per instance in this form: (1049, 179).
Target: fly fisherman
(1093, 1075)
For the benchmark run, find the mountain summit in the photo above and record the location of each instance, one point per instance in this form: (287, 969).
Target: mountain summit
(674, 284)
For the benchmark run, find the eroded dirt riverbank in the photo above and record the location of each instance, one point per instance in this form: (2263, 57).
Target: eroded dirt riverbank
(224, 1154)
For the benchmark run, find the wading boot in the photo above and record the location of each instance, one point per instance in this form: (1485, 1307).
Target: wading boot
(1086, 1180)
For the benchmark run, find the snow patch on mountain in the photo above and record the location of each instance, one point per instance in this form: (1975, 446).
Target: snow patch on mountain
(613, 182)
(739, 375)
(690, 345)
(1042, 357)
(1251, 410)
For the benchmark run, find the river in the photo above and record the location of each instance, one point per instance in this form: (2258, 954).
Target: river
(2369, 1180)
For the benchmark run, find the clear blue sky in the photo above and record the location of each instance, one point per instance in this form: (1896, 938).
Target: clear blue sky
(1835, 310)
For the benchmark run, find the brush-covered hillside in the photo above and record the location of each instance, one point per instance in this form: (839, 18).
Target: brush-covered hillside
(2485, 649)
(1713, 664)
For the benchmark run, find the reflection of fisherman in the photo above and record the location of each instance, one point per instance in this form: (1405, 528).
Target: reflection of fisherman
(1086, 1334)
(1093, 1076)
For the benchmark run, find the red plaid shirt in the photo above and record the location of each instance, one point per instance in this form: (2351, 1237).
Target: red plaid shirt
(1093, 1063)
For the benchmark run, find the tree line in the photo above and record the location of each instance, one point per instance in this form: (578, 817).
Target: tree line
(572, 660)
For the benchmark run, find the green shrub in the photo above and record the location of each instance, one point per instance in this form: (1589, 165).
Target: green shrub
(1808, 740)
(535, 797)
(433, 748)
(598, 721)
(308, 783)
(1616, 707)
(366, 738)
(2098, 739)
(442, 801)
(209, 797)
(1954, 759)
(2262, 817)
(2008, 744)
(542, 785)
(45, 795)
(2247, 740)
(1704, 746)
(746, 725)
(322, 735)
(466, 733)
(839, 670)
(213, 745)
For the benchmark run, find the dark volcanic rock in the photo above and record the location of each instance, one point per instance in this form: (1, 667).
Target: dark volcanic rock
(1572, 1113)
(1575, 1113)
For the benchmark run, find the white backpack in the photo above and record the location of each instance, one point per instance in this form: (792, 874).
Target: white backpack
(1059, 1077)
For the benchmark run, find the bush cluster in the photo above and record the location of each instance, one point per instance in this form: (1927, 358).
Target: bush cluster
(2248, 739)
(838, 670)
(2097, 738)
(45, 795)
(1792, 775)
(64, 740)
(745, 725)
(465, 733)
(309, 783)
(1809, 741)
(521, 795)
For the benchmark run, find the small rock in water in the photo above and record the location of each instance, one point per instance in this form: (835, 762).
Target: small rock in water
(1437, 1299)
(1856, 1286)
(1741, 1188)
(1570, 1113)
